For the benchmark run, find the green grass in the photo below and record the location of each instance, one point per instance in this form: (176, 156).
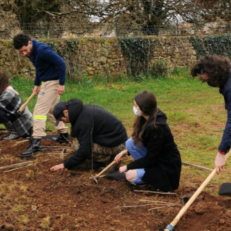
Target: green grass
(195, 111)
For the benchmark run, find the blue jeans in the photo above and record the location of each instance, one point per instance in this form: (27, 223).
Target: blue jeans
(136, 153)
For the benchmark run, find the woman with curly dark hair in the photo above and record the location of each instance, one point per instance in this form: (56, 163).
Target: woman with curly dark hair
(216, 71)
(157, 160)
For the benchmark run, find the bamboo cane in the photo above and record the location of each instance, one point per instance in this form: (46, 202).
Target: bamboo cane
(13, 169)
(197, 166)
(16, 165)
(156, 192)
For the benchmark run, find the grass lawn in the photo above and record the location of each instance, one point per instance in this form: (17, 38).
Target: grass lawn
(195, 111)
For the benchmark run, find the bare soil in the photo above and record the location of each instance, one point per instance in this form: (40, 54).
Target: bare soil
(34, 198)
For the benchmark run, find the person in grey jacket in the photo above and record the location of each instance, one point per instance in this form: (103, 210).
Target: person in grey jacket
(17, 125)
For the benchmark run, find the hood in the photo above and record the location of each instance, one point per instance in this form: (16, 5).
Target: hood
(161, 118)
(74, 107)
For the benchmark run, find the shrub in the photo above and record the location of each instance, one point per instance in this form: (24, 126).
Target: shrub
(159, 69)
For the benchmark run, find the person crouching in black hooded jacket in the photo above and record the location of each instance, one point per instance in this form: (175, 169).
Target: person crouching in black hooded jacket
(99, 133)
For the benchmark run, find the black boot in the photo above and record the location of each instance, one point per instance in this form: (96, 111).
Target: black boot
(34, 147)
(63, 138)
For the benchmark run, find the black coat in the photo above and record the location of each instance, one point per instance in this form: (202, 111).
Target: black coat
(92, 123)
(162, 161)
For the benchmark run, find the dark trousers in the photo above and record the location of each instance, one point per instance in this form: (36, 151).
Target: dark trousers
(3, 117)
(6, 117)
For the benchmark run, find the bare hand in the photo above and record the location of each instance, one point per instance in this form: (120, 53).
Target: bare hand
(123, 169)
(57, 167)
(11, 88)
(61, 89)
(219, 162)
(36, 90)
(118, 158)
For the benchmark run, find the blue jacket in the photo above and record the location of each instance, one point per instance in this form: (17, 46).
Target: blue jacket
(48, 65)
(226, 139)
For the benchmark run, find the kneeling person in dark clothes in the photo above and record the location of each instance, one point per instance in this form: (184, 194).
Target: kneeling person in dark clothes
(100, 134)
(17, 125)
(157, 160)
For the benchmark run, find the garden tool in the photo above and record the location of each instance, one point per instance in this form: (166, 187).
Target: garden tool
(197, 166)
(123, 153)
(20, 111)
(171, 226)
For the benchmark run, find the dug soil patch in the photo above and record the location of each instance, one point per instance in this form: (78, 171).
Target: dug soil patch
(34, 198)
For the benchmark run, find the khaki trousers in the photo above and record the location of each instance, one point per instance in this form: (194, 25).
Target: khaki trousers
(48, 97)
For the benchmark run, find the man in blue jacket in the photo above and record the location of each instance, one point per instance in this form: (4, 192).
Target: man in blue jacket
(216, 71)
(50, 71)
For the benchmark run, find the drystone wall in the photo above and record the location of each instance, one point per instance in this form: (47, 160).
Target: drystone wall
(99, 56)
(9, 24)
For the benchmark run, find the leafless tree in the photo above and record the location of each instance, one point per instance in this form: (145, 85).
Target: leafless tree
(145, 16)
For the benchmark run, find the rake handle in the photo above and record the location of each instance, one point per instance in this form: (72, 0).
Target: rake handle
(113, 162)
(25, 104)
(170, 227)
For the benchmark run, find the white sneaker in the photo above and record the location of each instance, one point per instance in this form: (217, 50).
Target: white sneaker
(11, 136)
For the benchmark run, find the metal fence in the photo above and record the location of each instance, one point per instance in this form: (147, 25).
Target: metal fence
(60, 30)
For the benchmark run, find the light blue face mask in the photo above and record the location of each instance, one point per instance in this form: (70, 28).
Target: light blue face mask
(136, 111)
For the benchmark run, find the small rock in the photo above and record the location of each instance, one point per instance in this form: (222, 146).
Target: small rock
(222, 221)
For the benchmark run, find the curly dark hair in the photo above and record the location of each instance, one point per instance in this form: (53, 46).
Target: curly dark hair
(148, 105)
(21, 40)
(4, 82)
(216, 67)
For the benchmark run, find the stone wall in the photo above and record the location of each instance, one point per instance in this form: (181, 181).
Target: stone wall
(102, 56)
(177, 51)
(9, 24)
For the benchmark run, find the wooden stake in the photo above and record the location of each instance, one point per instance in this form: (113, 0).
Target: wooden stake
(62, 154)
(197, 166)
(132, 206)
(16, 165)
(157, 192)
(18, 168)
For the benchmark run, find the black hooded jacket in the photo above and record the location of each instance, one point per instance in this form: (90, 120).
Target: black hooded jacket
(92, 123)
(162, 161)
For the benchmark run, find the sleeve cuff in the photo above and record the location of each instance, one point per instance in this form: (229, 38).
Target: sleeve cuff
(221, 152)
